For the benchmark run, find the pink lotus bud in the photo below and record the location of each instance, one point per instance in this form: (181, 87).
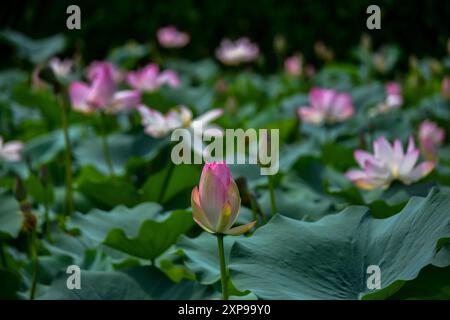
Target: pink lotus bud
(170, 37)
(430, 137)
(445, 88)
(216, 202)
(293, 66)
(394, 97)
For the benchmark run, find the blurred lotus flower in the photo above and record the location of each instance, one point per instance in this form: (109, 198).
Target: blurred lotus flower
(236, 52)
(216, 202)
(388, 163)
(150, 79)
(394, 99)
(10, 151)
(101, 93)
(61, 68)
(170, 37)
(327, 106)
(158, 125)
(430, 138)
(98, 66)
(293, 65)
(445, 88)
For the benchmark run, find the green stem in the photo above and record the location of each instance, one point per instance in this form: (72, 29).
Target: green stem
(166, 182)
(223, 267)
(256, 210)
(273, 204)
(35, 261)
(106, 152)
(68, 158)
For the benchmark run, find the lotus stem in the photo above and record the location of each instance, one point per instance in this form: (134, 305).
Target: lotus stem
(68, 157)
(104, 137)
(223, 267)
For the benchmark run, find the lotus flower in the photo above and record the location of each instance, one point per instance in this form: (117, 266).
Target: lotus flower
(61, 68)
(170, 37)
(216, 202)
(394, 99)
(98, 66)
(327, 106)
(150, 79)
(388, 163)
(430, 138)
(293, 65)
(101, 93)
(445, 88)
(158, 125)
(10, 151)
(237, 52)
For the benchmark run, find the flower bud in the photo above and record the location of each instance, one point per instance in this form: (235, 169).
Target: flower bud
(216, 202)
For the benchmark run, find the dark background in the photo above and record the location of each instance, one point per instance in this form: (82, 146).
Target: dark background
(418, 27)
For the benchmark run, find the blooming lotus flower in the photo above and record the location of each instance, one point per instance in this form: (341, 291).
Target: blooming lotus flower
(327, 106)
(237, 52)
(150, 79)
(98, 66)
(430, 138)
(101, 93)
(293, 65)
(158, 125)
(10, 151)
(216, 202)
(170, 37)
(388, 163)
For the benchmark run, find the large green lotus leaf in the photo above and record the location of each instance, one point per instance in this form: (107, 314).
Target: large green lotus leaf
(10, 216)
(202, 70)
(142, 283)
(10, 284)
(46, 147)
(328, 259)
(140, 231)
(122, 147)
(442, 258)
(202, 256)
(432, 284)
(200, 98)
(299, 201)
(96, 285)
(159, 287)
(35, 51)
(181, 182)
(106, 192)
(127, 55)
